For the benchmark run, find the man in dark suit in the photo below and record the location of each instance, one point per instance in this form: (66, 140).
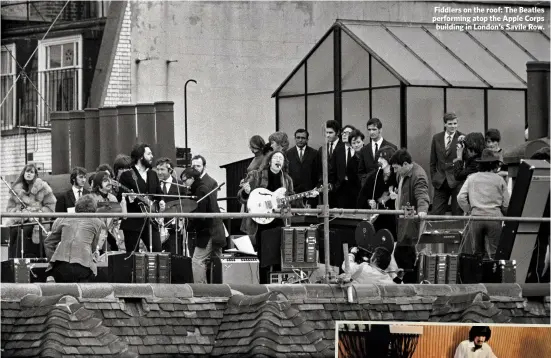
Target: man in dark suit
(303, 162)
(334, 146)
(442, 153)
(170, 186)
(142, 180)
(368, 154)
(209, 231)
(200, 163)
(341, 164)
(66, 202)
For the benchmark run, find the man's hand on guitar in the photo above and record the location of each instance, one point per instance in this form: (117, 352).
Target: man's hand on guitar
(247, 188)
(372, 204)
(162, 205)
(312, 194)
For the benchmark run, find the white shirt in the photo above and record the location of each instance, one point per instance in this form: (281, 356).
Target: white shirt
(447, 137)
(143, 174)
(379, 143)
(203, 174)
(167, 185)
(465, 350)
(75, 191)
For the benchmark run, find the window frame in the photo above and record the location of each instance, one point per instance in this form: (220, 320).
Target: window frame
(7, 48)
(43, 68)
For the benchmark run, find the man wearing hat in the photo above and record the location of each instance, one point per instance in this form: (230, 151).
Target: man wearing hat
(484, 194)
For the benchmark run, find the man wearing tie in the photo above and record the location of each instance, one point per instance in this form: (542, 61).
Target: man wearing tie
(343, 186)
(66, 202)
(303, 165)
(368, 154)
(334, 146)
(169, 186)
(442, 153)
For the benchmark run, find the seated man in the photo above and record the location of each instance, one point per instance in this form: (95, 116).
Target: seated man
(72, 244)
(476, 345)
(372, 272)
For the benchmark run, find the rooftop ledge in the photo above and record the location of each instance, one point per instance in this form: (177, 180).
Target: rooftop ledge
(357, 293)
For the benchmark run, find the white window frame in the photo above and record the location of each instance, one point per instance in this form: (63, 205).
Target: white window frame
(11, 48)
(42, 67)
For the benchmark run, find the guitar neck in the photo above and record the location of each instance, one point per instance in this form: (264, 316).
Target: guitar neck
(297, 196)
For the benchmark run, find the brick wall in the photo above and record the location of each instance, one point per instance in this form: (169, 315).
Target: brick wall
(13, 157)
(119, 85)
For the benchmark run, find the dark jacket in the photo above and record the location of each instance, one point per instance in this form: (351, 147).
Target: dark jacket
(368, 162)
(138, 185)
(465, 167)
(338, 148)
(259, 179)
(304, 173)
(68, 200)
(415, 191)
(441, 161)
(374, 188)
(207, 228)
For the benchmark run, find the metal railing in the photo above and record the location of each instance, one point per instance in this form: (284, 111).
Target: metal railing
(40, 93)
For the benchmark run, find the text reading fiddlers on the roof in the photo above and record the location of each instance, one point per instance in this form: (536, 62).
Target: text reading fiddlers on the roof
(477, 18)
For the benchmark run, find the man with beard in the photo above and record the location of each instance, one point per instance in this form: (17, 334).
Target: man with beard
(199, 163)
(476, 346)
(66, 202)
(142, 180)
(369, 153)
(210, 238)
(169, 186)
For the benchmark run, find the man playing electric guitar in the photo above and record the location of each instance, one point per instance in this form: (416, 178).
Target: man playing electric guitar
(141, 180)
(380, 191)
(272, 176)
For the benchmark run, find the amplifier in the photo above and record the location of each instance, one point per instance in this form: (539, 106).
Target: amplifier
(242, 270)
(151, 267)
(499, 271)
(437, 268)
(298, 247)
(470, 268)
(24, 270)
(440, 242)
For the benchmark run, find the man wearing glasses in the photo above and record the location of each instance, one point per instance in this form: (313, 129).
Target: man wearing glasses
(303, 165)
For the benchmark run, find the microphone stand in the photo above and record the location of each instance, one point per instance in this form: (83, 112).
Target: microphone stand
(210, 192)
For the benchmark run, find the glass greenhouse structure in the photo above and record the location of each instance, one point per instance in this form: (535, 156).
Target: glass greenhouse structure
(408, 75)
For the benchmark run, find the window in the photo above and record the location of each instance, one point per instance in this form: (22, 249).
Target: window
(60, 76)
(8, 74)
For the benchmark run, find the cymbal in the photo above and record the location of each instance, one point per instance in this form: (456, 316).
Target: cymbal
(109, 207)
(180, 206)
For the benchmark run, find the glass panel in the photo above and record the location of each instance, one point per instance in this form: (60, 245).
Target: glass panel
(354, 64)
(295, 85)
(291, 115)
(5, 63)
(320, 67)
(54, 56)
(7, 109)
(505, 50)
(506, 113)
(395, 55)
(425, 108)
(477, 58)
(382, 76)
(440, 59)
(320, 109)
(386, 107)
(355, 109)
(68, 54)
(534, 42)
(468, 104)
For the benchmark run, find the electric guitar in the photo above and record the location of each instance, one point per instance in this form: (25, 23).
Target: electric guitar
(264, 201)
(145, 203)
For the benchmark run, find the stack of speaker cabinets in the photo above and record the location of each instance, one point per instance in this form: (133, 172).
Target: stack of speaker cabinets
(298, 248)
(437, 268)
(152, 267)
(499, 271)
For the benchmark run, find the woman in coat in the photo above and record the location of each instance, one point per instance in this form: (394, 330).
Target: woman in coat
(38, 197)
